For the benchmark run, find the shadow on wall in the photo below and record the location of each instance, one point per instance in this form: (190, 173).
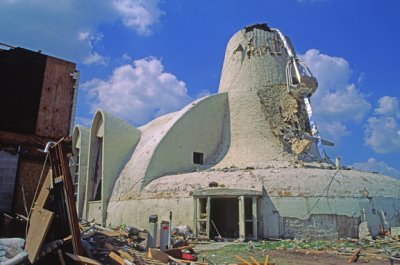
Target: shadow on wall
(316, 227)
(269, 217)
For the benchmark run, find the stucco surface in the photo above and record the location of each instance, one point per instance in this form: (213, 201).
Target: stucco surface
(119, 141)
(80, 147)
(167, 144)
(286, 193)
(256, 84)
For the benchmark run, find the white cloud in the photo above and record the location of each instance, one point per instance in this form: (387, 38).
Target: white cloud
(337, 101)
(332, 72)
(83, 121)
(333, 131)
(377, 166)
(69, 28)
(95, 58)
(138, 92)
(382, 134)
(346, 104)
(126, 58)
(203, 93)
(388, 106)
(138, 14)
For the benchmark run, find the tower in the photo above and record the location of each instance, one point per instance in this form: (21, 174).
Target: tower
(268, 89)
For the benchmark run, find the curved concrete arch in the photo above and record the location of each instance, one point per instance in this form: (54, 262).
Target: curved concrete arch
(80, 146)
(208, 116)
(112, 141)
(203, 129)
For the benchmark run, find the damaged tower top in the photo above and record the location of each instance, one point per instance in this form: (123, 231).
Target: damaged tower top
(269, 90)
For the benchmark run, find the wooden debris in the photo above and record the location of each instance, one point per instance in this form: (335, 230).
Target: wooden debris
(125, 255)
(116, 258)
(82, 260)
(39, 225)
(266, 259)
(355, 256)
(242, 260)
(61, 257)
(158, 255)
(254, 260)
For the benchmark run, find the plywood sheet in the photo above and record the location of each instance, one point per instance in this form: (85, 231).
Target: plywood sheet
(45, 190)
(39, 225)
(83, 260)
(57, 99)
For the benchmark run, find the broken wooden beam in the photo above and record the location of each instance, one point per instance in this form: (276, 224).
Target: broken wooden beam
(115, 257)
(355, 256)
(82, 260)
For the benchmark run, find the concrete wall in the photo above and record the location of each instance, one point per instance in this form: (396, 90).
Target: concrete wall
(302, 202)
(200, 130)
(80, 148)
(8, 172)
(167, 144)
(247, 69)
(119, 140)
(273, 223)
(136, 212)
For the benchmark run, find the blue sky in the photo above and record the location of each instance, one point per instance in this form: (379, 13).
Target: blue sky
(141, 59)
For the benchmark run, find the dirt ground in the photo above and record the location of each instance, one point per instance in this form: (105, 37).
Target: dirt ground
(224, 253)
(285, 257)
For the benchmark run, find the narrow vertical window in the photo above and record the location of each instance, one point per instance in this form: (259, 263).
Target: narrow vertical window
(198, 158)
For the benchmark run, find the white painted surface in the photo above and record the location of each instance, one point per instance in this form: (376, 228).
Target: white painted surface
(167, 144)
(119, 141)
(80, 146)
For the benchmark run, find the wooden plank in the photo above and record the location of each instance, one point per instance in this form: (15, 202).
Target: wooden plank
(355, 256)
(83, 260)
(109, 233)
(254, 260)
(69, 196)
(266, 259)
(38, 226)
(125, 255)
(158, 255)
(22, 139)
(45, 190)
(116, 258)
(60, 167)
(55, 106)
(242, 260)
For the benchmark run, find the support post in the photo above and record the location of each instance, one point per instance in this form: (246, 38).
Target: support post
(208, 209)
(254, 215)
(195, 215)
(242, 220)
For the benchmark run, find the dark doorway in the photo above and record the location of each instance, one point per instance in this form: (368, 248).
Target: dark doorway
(225, 215)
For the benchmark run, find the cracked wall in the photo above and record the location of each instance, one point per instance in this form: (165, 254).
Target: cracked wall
(286, 116)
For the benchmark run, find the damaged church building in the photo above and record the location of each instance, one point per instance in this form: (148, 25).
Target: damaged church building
(247, 162)
(37, 105)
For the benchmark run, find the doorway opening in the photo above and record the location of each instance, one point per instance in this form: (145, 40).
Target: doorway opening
(224, 217)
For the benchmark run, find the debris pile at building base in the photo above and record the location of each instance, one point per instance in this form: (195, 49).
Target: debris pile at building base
(53, 234)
